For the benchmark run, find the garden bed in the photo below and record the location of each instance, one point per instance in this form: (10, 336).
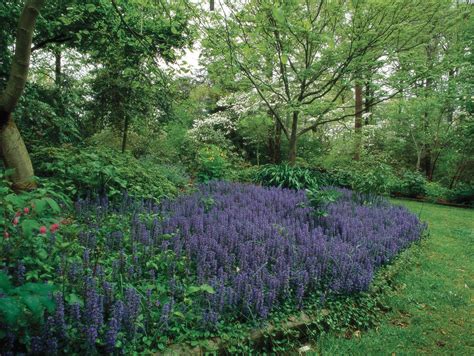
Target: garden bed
(215, 264)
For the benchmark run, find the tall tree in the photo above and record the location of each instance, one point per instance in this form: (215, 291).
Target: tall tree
(316, 47)
(12, 147)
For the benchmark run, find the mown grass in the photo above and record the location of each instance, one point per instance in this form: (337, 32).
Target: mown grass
(431, 310)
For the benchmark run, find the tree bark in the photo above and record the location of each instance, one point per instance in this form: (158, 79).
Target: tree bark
(15, 155)
(12, 148)
(57, 69)
(358, 121)
(21, 60)
(277, 143)
(293, 139)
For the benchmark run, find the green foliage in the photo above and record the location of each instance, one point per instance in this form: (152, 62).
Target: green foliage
(285, 176)
(462, 194)
(212, 163)
(86, 171)
(30, 220)
(435, 191)
(375, 179)
(22, 308)
(319, 199)
(412, 184)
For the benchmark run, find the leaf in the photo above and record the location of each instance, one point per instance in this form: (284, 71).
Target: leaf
(33, 303)
(207, 288)
(5, 284)
(91, 8)
(178, 314)
(53, 205)
(40, 205)
(10, 310)
(28, 226)
(74, 299)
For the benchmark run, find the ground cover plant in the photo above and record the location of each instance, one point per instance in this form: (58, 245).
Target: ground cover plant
(141, 275)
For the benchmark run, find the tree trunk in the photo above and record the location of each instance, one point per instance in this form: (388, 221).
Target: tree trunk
(418, 160)
(125, 132)
(368, 102)
(277, 143)
(57, 69)
(293, 139)
(15, 155)
(211, 5)
(358, 121)
(12, 148)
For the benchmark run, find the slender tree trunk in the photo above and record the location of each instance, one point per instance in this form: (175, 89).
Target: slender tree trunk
(293, 139)
(277, 143)
(274, 141)
(358, 121)
(12, 148)
(427, 161)
(427, 147)
(369, 94)
(211, 5)
(125, 132)
(57, 68)
(418, 160)
(15, 155)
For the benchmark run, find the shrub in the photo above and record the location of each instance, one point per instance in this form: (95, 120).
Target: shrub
(412, 184)
(85, 171)
(462, 194)
(377, 179)
(212, 164)
(22, 308)
(31, 244)
(435, 191)
(285, 176)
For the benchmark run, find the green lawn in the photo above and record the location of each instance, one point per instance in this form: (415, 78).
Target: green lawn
(432, 306)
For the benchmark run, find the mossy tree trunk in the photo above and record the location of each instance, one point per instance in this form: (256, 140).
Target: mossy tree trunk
(12, 147)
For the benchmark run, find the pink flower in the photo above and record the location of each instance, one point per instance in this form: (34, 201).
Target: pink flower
(43, 230)
(16, 221)
(53, 228)
(18, 213)
(26, 210)
(6, 235)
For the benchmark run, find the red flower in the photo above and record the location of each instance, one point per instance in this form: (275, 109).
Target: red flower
(18, 213)
(53, 228)
(26, 210)
(16, 221)
(6, 235)
(43, 230)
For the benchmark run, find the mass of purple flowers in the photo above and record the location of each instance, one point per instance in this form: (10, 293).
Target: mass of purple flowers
(261, 246)
(254, 248)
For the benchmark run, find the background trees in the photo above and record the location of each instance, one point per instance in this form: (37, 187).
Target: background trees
(316, 83)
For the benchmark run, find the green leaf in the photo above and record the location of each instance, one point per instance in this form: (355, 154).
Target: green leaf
(28, 226)
(53, 205)
(5, 284)
(91, 8)
(74, 299)
(10, 310)
(33, 303)
(207, 288)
